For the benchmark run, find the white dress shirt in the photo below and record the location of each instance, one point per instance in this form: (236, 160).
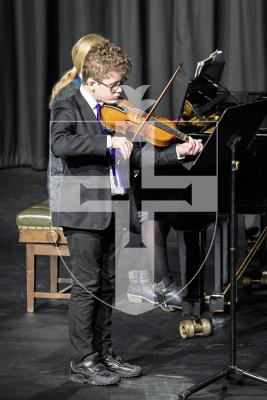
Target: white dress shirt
(115, 189)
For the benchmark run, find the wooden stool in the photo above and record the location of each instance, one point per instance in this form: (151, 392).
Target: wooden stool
(35, 230)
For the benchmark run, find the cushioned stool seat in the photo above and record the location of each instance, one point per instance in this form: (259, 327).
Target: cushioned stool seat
(41, 238)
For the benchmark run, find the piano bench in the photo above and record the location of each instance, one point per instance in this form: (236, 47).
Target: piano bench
(41, 238)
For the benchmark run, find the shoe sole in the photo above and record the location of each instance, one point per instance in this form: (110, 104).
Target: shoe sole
(130, 376)
(79, 378)
(133, 298)
(170, 308)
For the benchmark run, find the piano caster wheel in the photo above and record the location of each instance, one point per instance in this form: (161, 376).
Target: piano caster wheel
(167, 308)
(193, 327)
(264, 278)
(247, 281)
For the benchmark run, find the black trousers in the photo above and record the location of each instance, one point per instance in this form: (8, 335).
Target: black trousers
(193, 225)
(92, 255)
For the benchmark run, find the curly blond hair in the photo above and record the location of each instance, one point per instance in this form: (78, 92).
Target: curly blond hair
(78, 53)
(105, 58)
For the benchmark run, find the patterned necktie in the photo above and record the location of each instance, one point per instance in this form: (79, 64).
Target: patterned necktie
(98, 117)
(98, 111)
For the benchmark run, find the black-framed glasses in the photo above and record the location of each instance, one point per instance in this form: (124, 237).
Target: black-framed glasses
(114, 88)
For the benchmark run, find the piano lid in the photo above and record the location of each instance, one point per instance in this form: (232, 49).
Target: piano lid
(206, 99)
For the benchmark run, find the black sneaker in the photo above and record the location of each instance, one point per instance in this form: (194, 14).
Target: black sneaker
(93, 372)
(116, 364)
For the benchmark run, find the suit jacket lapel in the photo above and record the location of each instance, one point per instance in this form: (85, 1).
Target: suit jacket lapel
(87, 113)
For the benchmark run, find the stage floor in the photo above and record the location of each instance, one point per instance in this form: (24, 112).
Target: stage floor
(34, 347)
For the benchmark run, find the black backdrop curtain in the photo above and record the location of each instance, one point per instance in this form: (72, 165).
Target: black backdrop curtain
(37, 37)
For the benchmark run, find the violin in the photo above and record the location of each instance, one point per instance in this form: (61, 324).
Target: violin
(125, 118)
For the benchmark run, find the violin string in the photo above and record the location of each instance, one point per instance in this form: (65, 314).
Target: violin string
(169, 129)
(159, 124)
(156, 122)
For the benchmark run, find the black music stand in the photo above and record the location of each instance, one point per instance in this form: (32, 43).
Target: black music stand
(236, 131)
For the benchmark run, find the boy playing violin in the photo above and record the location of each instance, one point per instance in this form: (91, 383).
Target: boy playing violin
(85, 150)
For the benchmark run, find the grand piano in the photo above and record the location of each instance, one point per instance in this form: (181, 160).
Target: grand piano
(204, 104)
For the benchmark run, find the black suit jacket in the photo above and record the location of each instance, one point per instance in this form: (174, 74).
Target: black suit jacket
(76, 137)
